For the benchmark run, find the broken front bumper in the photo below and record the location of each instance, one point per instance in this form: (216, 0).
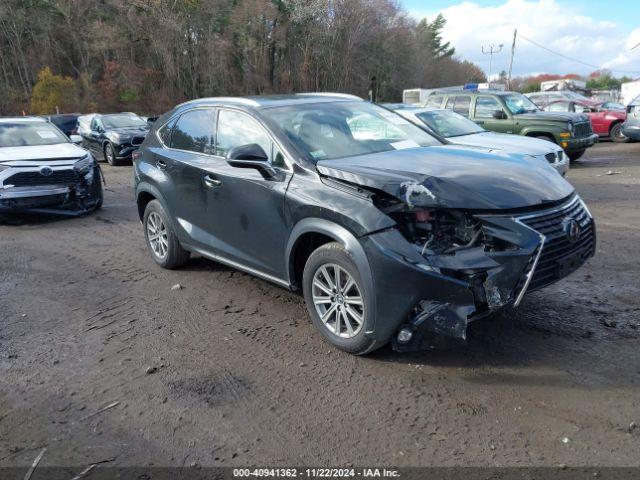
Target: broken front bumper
(435, 297)
(78, 196)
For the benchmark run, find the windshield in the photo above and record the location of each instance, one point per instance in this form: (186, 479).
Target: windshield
(22, 134)
(449, 124)
(575, 96)
(123, 120)
(518, 103)
(343, 129)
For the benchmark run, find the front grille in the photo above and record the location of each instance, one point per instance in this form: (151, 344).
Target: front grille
(137, 140)
(30, 179)
(582, 129)
(557, 247)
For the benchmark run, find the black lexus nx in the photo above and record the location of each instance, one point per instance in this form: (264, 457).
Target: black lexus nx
(390, 234)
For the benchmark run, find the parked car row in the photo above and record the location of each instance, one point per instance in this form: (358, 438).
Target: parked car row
(459, 130)
(606, 117)
(397, 225)
(514, 113)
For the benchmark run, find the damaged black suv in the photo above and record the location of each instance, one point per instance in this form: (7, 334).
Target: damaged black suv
(390, 235)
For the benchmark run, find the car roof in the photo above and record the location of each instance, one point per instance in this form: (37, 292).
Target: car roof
(413, 109)
(266, 101)
(459, 91)
(23, 119)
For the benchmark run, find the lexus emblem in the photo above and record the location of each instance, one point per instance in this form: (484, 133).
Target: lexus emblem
(571, 229)
(46, 171)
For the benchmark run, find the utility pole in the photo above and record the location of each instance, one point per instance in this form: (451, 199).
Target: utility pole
(490, 51)
(513, 51)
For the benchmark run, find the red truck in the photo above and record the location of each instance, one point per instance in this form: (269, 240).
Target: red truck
(606, 122)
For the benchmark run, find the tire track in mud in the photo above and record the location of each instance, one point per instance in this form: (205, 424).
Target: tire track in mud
(214, 329)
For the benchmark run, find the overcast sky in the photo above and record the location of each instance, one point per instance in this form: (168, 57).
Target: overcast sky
(593, 31)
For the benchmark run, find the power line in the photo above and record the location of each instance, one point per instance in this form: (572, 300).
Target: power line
(575, 59)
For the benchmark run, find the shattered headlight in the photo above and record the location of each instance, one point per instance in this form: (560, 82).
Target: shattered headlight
(439, 231)
(85, 164)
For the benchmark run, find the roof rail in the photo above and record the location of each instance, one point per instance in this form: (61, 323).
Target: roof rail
(242, 100)
(330, 94)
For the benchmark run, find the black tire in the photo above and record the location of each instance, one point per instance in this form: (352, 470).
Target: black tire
(175, 256)
(335, 254)
(575, 155)
(616, 135)
(110, 154)
(99, 194)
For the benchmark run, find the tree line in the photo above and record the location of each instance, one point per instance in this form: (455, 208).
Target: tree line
(148, 55)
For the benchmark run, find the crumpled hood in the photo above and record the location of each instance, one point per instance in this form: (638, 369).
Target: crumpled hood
(552, 116)
(60, 151)
(453, 177)
(508, 143)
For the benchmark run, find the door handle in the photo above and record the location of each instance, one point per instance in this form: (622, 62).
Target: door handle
(161, 164)
(211, 182)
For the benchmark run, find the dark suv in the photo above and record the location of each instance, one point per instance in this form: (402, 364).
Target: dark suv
(390, 234)
(115, 136)
(512, 112)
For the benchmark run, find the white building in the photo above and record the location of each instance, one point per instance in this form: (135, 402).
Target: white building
(629, 91)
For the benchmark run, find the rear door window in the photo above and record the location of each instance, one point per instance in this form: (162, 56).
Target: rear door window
(434, 101)
(193, 131)
(459, 104)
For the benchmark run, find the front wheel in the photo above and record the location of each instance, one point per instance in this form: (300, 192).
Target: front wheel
(616, 134)
(110, 155)
(575, 155)
(336, 301)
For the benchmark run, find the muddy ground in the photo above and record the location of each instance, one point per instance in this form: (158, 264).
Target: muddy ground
(229, 370)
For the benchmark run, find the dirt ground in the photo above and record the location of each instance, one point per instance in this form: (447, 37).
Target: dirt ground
(228, 370)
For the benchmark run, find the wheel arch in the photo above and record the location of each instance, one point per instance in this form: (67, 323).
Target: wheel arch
(541, 134)
(144, 194)
(325, 231)
(614, 123)
(308, 234)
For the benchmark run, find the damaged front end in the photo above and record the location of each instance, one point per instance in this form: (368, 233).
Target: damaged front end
(471, 236)
(459, 265)
(477, 262)
(73, 189)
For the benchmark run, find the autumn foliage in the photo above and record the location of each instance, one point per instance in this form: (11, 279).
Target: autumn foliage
(148, 55)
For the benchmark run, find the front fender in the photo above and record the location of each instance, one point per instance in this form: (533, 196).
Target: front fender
(347, 240)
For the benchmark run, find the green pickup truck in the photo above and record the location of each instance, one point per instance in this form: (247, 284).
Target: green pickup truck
(512, 112)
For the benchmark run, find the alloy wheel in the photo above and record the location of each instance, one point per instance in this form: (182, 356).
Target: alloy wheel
(157, 235)
(338, 301)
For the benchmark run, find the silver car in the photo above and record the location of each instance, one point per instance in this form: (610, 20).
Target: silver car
(42, 171)
(462, 131)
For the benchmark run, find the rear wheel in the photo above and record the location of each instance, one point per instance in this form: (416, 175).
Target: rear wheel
(616, 134)
(162, 241)
(575, 155)
(334, 294)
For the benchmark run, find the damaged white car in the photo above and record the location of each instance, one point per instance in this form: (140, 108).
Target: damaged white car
(43, 171)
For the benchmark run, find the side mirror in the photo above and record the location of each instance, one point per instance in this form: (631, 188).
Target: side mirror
(251, 156)
(499, 115)
(77, 139)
